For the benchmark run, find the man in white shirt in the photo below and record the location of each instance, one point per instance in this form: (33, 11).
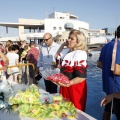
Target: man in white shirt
(46, 57)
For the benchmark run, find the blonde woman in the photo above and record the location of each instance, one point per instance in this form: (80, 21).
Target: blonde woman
(73, 64)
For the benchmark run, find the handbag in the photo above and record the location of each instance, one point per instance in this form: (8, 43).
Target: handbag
(38, 77)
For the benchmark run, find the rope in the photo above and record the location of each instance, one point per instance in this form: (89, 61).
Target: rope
(112, 69)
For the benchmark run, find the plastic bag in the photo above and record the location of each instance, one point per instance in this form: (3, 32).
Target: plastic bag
(6, 88)
(55, 75)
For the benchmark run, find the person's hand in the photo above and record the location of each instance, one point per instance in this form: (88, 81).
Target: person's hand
(56, 83)
(64, 85)
(65, 43)
(106, 100)
(56, 55)
(5, 68)
(61, 84)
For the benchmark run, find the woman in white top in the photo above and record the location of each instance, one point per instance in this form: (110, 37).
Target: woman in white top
(73, 64)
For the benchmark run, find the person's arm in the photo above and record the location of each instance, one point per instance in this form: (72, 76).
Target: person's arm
(21, 59)
(99, 64)
(6, 62)
(60, 49)
(17, 61)
(28, 55)
(72, 82)
(39, 62)
(117, 62)
(108, 98)
(117, 69)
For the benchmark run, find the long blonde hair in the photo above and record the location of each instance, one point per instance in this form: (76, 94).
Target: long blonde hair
(81, 39)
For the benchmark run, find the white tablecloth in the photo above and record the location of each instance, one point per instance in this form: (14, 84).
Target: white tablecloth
(15, 115)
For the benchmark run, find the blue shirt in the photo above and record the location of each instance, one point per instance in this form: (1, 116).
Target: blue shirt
(110, 82)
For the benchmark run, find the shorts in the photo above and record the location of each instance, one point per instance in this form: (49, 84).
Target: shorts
(13, 71)
(116, 107)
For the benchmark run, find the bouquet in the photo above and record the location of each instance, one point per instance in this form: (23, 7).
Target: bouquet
(58, 108)
(31, 95)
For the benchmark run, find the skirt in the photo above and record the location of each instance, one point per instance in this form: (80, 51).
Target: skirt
(77, 94)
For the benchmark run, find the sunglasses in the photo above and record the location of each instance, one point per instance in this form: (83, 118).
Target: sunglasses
(45, 40)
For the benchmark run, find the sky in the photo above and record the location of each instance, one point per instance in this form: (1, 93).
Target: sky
(98, 13)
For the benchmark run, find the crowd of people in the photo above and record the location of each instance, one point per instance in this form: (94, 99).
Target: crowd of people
(71, 59)
(17, 53)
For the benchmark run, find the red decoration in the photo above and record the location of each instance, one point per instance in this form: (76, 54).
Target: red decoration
(59, 77)
(75, 67)
(2, 62)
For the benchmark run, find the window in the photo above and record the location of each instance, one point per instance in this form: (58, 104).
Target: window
(60, 28)
(54, 28)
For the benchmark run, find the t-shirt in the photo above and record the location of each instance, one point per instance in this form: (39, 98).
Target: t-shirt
(110, 84)
(12, 57)
(33, 55)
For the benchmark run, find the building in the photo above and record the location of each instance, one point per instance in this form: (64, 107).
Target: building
(109, 31)
(57, 23)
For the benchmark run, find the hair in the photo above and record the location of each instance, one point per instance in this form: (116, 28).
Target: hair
(117, 32)
(32, 43)
(10, 48)
(15, 47)
(25, 47)
(81, 38)
(19, 43)
(9, 43)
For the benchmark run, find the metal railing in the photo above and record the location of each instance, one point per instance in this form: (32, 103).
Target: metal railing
(20, 69)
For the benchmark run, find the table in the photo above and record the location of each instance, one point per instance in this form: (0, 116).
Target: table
(15, 115)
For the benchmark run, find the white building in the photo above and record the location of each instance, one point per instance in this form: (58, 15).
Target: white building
(57, 23)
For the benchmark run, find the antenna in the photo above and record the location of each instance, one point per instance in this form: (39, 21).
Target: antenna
(46, 14)
(53, 9)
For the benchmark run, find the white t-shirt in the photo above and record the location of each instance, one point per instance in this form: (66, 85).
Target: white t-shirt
(12, 57)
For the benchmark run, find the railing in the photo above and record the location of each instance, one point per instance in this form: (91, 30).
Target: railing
(27, 70)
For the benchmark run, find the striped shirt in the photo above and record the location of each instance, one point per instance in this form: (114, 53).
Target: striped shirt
(32, 55)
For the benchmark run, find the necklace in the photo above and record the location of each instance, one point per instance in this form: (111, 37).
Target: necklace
(48, 50)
